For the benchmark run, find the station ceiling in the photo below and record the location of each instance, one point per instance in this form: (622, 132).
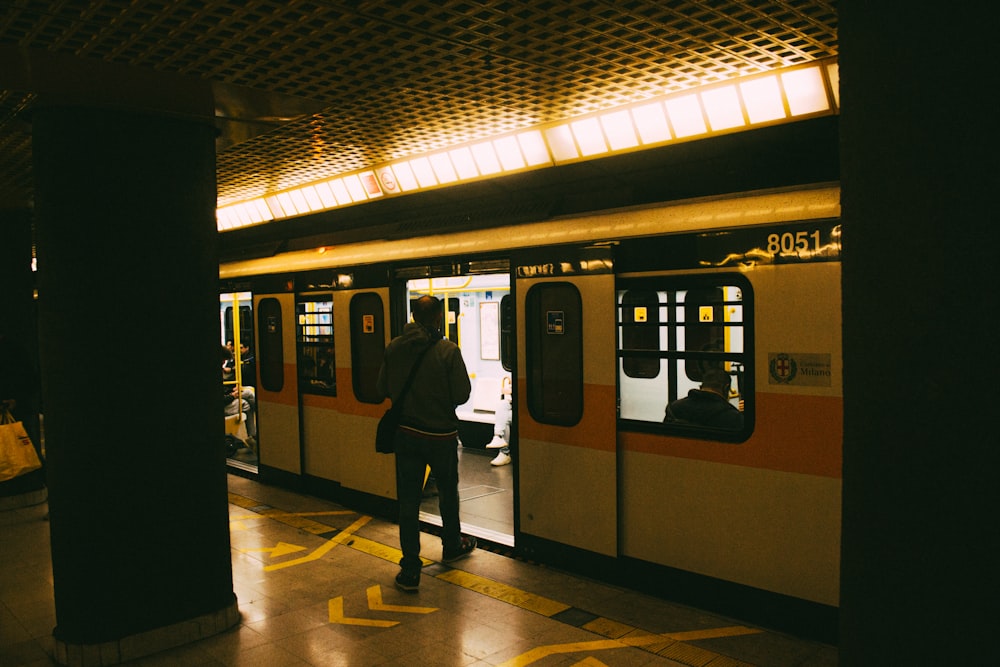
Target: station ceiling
(309, 89)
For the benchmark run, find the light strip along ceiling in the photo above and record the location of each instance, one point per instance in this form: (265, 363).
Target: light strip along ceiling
(771, 98)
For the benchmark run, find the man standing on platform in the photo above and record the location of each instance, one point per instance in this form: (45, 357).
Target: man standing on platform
(428, 433)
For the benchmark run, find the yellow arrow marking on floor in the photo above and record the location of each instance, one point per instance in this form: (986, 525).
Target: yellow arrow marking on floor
(375, 603)
(336, 607)
(339, 538)
(590, 662)
(282, 549)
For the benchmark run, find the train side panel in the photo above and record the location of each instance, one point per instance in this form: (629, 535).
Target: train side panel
(766, 512)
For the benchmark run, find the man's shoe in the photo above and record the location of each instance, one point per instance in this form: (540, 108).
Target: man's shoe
(496, 443)
(500, 460)
(468, 545)
(408, 583)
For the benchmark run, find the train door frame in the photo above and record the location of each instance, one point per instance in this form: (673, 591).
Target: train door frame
(237, 325)
(279, 456)
(506, 347)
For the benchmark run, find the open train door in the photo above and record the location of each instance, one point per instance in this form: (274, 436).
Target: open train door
(567, 455)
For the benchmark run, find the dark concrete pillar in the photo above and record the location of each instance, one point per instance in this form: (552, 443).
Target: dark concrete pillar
(921, 446)
(19, 348)
(128, 316)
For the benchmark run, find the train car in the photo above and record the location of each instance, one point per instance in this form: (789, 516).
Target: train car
(594, 324)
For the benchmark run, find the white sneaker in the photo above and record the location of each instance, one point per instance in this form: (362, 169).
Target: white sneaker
(501, 460)
(496, 443)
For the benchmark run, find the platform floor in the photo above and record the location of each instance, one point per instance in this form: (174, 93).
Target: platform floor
(314, 583)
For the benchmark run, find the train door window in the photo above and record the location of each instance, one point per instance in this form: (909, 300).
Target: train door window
(686, 339)
(314, 340)
(230, 333)
(237, 334)
(507, 332)
(554, 353)
(271, 348)
(367, 344)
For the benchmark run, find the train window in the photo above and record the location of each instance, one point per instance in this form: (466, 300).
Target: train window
(640, 330)
(686, 339)
(314, 340)
(271, 349)
(554, 353)
(367, 344)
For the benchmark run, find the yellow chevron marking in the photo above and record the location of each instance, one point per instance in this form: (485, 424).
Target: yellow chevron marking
(375, 603)
(336, 609)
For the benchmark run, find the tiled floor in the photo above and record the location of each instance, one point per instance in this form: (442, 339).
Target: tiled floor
(341, 608)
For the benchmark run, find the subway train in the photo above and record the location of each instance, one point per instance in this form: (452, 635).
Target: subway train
(592, 325)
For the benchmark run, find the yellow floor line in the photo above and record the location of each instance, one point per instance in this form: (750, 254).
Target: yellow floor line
(504, 593)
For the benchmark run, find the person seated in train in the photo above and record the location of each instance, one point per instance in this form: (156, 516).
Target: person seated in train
(233, 404)
(248, 366)
(708, 405)
(501, 425)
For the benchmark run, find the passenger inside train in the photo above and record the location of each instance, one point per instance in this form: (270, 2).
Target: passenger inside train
(708, 405)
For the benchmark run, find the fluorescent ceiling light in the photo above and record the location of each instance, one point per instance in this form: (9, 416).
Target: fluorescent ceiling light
(326, 194)
(443, 168)
(651, 121)
(486, 158)
(619, 129)
(424, 172)
(464, 163)
(405, 177)
(762, 98)
(685, 116)
(723, 108)
(340, 192)
(509, 153)
(534, 149)
(355, 188)
(588, 136)
(560, 140)
(805, 91)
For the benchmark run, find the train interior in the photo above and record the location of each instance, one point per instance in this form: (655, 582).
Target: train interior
(239, 377)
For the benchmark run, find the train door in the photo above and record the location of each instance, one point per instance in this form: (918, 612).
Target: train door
(566, 423)
(341, 338)
(479, 319)
(277, 390)
(239, 377)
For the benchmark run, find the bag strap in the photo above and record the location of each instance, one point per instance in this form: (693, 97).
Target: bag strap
(413, 373)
